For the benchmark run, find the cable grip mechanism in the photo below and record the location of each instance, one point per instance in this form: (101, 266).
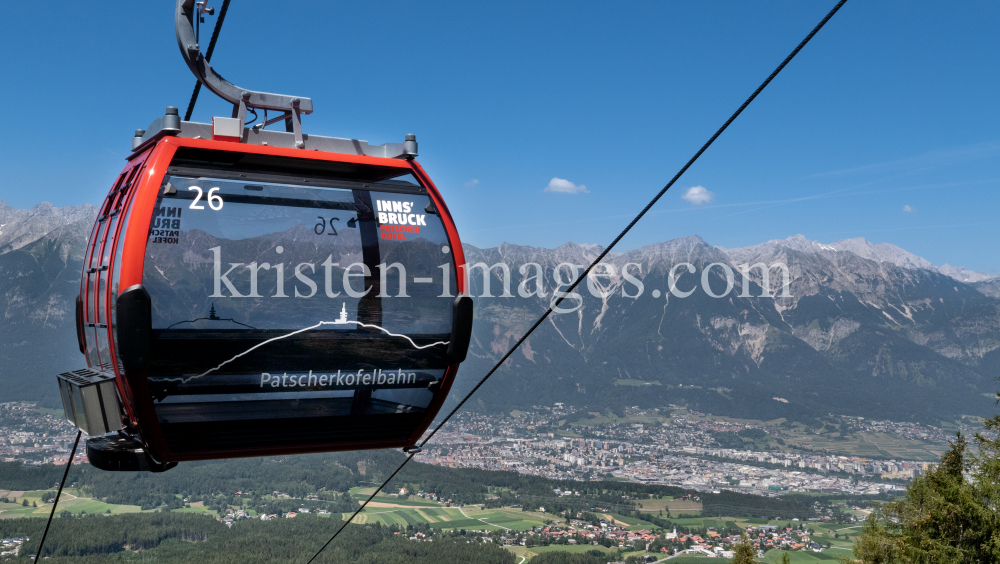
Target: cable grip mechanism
(241, 98)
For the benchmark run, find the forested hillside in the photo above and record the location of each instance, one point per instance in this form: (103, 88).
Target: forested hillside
(196, 539)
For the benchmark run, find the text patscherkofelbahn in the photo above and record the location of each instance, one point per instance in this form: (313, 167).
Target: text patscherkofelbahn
(340, 378)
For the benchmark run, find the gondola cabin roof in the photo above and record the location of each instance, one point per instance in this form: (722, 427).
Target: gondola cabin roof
(170, 125)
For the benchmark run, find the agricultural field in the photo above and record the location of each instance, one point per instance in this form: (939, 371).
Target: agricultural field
(646, 417)
(864, 443)
(868, 444)
(536, 550)
(805, 557)
(201, 509)
(390, 500)
(632, 523)
(71, 500)
(469, 517)
(708, 523)
(667, 503)
(529, 553)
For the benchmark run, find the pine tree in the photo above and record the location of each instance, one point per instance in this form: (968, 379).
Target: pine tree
(987, 479)
(785, 558)
(943, 518)
(878, 543)
(745, 553)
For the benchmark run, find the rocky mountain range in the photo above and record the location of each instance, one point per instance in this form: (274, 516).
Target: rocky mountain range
(22, 227)
(861, 328)
(41, 254)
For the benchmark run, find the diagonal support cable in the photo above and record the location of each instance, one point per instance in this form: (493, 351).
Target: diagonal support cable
(72, 453)
(596, 261)
(651, 203)
(362, 508)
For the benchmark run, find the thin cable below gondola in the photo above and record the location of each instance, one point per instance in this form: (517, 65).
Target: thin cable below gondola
(252, 292)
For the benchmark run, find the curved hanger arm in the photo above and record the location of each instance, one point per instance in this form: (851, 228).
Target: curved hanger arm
(191, 51)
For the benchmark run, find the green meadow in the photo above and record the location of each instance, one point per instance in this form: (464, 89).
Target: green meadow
(71, 501)
(469, 518)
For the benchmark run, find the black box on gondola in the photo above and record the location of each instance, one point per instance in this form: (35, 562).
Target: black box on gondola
(90, 401)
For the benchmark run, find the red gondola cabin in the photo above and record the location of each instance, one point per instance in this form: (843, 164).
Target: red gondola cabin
(249, 299)
(253, 292)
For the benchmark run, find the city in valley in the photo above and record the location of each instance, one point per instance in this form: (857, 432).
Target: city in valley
(668, 446)
(678, 447)
(35, 435)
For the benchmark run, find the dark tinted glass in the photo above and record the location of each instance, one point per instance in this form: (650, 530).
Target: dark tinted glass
(276, 301)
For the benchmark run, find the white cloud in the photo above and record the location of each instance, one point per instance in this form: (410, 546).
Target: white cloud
(909, 209)
(565, 186)
(698, 195)
(472, 183)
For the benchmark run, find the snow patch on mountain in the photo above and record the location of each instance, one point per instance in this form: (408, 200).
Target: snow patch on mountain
(878, 252)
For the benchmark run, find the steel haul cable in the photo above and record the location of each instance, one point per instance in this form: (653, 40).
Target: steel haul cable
(599, 258)
(638, 217)
(208, 55)
(363, 505)
(72, 453)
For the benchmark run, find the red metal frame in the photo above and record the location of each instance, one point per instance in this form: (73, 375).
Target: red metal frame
(124, 205)
(118, 198)
(143, 192)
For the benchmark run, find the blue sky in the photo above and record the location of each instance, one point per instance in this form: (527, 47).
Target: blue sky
(884, 126)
